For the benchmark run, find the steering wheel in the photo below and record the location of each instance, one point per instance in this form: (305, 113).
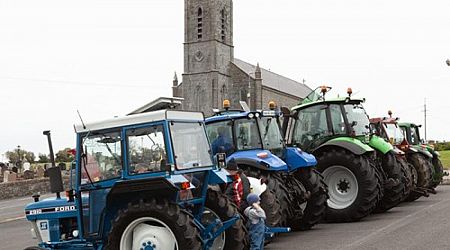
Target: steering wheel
(156, 152)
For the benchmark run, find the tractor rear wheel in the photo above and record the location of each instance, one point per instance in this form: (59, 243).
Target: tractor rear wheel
(423, 168)
(221, 205)
(438, 172)
(413, 195)
(291, 214)
(407, 177)
(156, 224)
(316, 203)
(353, 186)
(393, 194)
(276, 197)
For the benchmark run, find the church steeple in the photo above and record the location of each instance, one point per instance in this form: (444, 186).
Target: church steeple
(208, 51)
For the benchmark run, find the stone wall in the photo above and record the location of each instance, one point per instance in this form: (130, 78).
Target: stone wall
(22, 188)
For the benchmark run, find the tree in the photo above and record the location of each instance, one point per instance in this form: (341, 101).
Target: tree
(64, 155)
(43, 158)
(22, 155)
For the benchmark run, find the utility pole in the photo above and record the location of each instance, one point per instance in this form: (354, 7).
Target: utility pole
(425, 117)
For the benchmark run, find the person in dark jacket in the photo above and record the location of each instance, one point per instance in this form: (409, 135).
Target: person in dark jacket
(239, 189)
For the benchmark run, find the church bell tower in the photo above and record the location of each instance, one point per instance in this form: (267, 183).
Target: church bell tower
(208, 51)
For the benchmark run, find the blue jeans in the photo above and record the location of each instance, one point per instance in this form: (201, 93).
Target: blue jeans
(257, 232)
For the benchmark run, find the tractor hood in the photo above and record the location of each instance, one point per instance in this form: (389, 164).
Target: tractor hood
(262, 159)
(50, 208)
(296, 158)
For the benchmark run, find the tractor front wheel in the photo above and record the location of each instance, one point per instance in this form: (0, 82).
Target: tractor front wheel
(316, 203)
(353, 187)
(154, 224)
(235, 237)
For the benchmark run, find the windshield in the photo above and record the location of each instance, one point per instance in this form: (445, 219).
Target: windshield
(310, 126)
(394, 133)
(270, 133)
(357, 118)
(247, 134)
(415, 138)
(220, 136)
(190, 145)
(101, 158)
(146, 149)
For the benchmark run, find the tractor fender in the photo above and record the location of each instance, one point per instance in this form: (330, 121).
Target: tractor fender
(398, 151)
(426, 153)
(260, 159)
(296, 158)
(351, 144)
(380, 144)
(255, 186)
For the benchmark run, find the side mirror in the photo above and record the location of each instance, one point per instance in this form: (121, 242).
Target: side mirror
(221, 160)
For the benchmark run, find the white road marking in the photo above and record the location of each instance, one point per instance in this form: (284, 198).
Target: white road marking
(12, 219)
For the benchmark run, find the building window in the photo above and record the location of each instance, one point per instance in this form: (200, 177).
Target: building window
(199, 23)
(223, 21)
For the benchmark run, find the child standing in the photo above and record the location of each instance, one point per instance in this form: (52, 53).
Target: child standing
(256, 222)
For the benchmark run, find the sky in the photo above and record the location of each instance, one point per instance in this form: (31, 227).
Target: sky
(107, 58)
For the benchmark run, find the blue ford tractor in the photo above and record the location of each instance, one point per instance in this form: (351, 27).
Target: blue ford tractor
(285, 177)
(144, 181)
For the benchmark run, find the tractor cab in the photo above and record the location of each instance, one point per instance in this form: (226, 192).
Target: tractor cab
(142, 181)
(318, 120)
(254, 141)
(250, 137)
(388, 129)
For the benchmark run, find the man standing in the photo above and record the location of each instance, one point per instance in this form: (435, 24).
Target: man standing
(239, 189)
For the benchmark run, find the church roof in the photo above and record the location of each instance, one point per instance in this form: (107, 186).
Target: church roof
(275, 81)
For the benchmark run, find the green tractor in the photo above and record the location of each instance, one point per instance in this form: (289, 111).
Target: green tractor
(359, 168)
(427, 154)
(387, 128)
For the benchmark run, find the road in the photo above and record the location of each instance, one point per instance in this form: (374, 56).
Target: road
(422, 224)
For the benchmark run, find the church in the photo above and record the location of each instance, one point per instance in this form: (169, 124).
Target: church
(212, 73)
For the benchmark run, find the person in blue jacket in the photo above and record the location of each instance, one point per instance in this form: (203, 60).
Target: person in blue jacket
(256, 222)
(223, 143)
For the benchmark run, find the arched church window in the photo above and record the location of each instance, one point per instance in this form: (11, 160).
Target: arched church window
(223, 27)
(199, 23)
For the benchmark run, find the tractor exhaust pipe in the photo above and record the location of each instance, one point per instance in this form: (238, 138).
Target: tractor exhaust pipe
(54, 173)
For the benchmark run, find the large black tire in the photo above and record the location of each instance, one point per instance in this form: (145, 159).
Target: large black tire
(280, 203)
(413, 195)
(271, 205)
(438, 171)
(423, 168)
(317, 201)
(394, 194)
(177, 219)
(236, 237)
(367, 181)
(290, 212)
(407, 177)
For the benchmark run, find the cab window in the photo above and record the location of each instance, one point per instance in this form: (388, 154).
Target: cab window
(146, 150)
(101, 158)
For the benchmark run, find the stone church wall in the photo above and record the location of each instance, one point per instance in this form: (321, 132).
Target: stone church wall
(282, 99)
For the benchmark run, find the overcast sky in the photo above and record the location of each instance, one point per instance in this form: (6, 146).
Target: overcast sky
(106, 58)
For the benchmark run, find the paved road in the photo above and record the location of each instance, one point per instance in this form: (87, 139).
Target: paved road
(423, 224)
